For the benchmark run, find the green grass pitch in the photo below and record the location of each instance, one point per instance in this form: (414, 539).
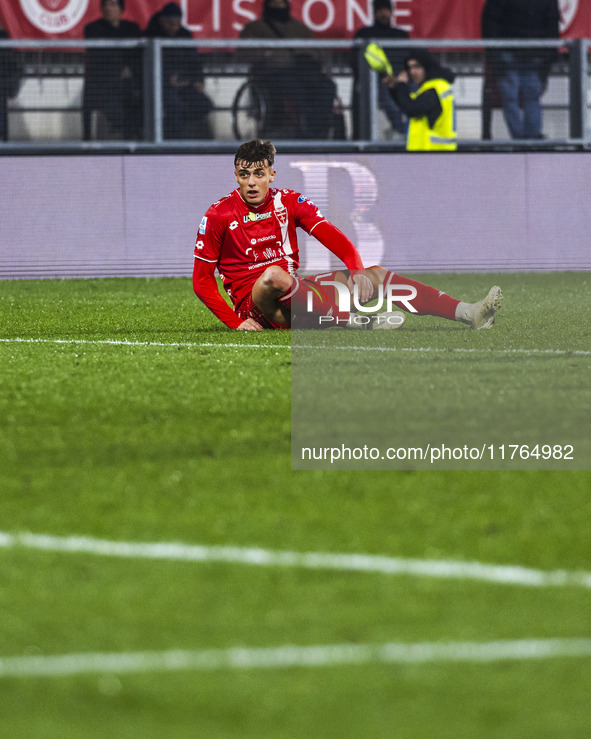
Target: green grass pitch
(128, 414)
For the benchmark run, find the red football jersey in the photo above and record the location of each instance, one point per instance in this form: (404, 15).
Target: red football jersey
(243, 240)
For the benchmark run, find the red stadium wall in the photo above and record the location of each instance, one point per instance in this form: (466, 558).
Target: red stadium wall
(437, 19)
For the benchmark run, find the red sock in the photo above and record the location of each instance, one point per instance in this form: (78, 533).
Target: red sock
(307, 301)
(427, 301)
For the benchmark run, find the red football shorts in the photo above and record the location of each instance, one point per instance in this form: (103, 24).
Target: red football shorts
(247, 309)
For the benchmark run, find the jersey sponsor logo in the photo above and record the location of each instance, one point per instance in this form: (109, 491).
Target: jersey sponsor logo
(262, 264)
(233, 225)
(268, 253)
(253, 217)
(54, 16)
(302, 199)
(271, 237)
(203, 225)
(199, 245)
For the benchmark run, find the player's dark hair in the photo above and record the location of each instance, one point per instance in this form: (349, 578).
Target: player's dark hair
(253, 152)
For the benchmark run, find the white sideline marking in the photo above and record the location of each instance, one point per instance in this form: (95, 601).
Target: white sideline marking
(176, 551)
(291, 656)
(125, 342)
(214, 345)
(457, 350)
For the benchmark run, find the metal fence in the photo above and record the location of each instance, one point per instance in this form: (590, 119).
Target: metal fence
(153, 94)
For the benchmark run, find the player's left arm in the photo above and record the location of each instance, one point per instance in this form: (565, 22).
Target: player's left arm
(342, 247)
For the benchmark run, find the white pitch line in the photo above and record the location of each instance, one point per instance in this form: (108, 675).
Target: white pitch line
(125, 342)
(368, 563)
(290, 656)
(214, 345)
(429, 349)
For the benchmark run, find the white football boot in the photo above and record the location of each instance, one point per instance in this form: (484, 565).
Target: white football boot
(481, 314)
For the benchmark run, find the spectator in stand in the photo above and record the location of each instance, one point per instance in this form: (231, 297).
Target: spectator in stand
(113, 78)
(10, 82)
(522, 73)
(430, 107)
(382, 29)
(186, 106)
(299, 96)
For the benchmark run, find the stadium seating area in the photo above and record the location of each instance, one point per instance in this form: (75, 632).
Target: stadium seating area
(49, 104)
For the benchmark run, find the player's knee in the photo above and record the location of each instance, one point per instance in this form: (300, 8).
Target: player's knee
(276, 279)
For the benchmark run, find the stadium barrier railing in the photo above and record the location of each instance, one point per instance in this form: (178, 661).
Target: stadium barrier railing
(329, 101)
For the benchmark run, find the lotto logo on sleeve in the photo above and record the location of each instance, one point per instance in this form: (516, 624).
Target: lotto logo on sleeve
(202, 225)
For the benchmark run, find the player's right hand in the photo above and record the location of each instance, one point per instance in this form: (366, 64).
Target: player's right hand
(250, 325)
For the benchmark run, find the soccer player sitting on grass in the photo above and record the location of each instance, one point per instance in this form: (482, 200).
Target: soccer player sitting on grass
(250, 237)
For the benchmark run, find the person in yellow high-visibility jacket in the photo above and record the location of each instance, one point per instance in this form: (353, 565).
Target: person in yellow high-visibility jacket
(429, 106)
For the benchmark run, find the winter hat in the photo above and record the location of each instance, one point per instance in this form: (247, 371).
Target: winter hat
(171, 10)
(431, 65)
(380, 4)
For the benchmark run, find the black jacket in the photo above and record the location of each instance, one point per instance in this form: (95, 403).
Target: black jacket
(182, 62)
(522, 19)
(427, 104)
(102, 29)
(104, 67)
(10, 70)
(517, 19)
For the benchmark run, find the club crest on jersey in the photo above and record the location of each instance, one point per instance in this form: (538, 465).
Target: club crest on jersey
(281, 214)
(253, 217)
(202, 225)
